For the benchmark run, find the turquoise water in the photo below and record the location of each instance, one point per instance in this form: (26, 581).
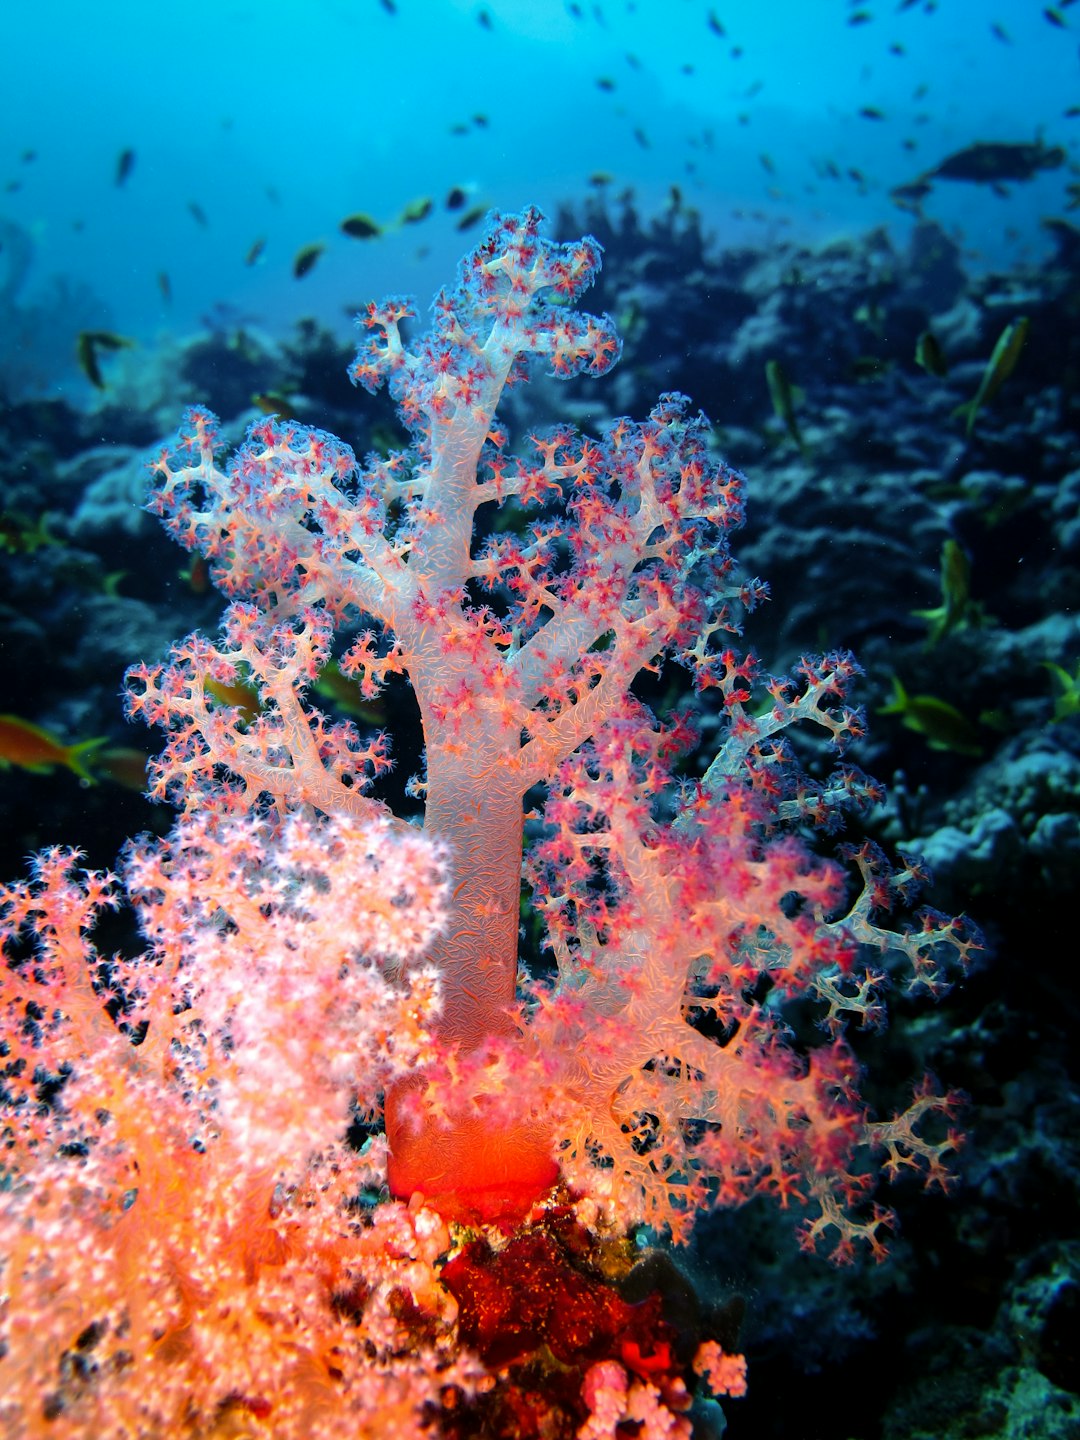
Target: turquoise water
(273, 122)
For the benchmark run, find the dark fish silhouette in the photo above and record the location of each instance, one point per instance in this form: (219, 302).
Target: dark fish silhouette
(125, 163)
(990, 161)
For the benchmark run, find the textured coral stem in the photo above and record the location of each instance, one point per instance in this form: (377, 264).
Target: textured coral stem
(469, 1168)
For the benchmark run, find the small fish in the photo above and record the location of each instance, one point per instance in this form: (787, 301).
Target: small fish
(601, 177)
(31, 747)
(941, 725)
(860, 17)
(472, 217)
(20, 536)
(1000, 33)
(1055, 18)
(164, 285)
(197, 575)
(483, 19)
(198, 214)
(605, 82)
(305, 258)
(1067, 691)
(456, 198)
(417, 210)
(714, 24)
(768, 164)
(125, 163)
(343, 690)
(783, 401)
(872, 315)
(957, 609)
(87, 345)
(929, 354)
(642, 139)
(999, 367)
(360, 227)
(871, 112)
(239, 695)
(28, 157)
(255, 250)
(910, 194)
(389, 6)
(272, 402)
(896, 48)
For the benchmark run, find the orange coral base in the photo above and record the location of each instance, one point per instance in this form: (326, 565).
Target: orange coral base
(470, 1171)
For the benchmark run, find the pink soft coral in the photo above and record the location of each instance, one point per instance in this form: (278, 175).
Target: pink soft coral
(626, 561)
(174, 1121)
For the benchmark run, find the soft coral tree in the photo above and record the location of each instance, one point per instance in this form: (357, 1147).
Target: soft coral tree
(633, 564)
(521, 649)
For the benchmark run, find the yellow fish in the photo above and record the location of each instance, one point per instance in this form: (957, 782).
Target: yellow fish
(782, 394)
(941, 725)
(957, 609)
(38, 750)
(998, 368)
(238, 694)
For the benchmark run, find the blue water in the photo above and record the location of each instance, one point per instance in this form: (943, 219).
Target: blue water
(279, 119)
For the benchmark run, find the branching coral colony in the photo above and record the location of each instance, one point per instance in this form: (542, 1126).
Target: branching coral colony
(190, 1246)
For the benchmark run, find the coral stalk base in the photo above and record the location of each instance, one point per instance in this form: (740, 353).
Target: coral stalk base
(471, 1170)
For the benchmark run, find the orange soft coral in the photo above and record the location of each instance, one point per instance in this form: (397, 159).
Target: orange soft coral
(177, 1217)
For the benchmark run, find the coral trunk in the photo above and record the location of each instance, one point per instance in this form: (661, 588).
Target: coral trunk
(471, 1159)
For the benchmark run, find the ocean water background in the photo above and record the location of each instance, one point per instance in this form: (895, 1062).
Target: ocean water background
(272, 122)
(254, 130)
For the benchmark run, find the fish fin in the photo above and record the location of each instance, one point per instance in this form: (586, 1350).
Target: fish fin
(75, 755)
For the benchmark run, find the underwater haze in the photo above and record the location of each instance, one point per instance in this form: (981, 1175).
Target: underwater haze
(147, 152)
